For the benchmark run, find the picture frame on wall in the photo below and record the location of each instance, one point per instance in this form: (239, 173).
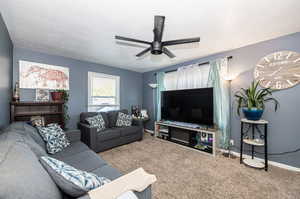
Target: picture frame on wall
(42, 95)
(34, 75)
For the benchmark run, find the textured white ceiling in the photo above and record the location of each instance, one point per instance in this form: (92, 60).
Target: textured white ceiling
(85, 29)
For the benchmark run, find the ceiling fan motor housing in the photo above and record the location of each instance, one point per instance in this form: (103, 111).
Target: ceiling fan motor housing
(156, 48)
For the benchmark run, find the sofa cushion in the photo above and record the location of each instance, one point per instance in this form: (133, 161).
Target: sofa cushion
(72, 181)
(108, 134)
(33, 132)
(85, 115)
(97, 122)
(26, 138)
(73, 149)
(21, 174)
(113, 116)
(25, 128)
(35, 148)
(107, 171)
(73, 135)
(129, 130)
(86, 160)
(123, 120)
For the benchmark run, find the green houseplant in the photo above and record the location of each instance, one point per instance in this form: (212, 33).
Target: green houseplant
(62, 95)
(252, 100)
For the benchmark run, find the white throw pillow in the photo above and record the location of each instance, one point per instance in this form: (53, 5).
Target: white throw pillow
(124, 120)
(96, 122)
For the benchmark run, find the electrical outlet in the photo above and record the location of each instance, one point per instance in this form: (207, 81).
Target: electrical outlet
(231, 142)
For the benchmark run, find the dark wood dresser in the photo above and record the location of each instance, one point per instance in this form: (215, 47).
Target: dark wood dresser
(52, 112)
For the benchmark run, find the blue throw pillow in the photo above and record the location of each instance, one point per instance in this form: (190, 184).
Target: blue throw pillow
(55, 138)
(71, 181)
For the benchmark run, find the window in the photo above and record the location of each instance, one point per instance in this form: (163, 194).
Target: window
(103, 92)
(170, 80)
(187, 77)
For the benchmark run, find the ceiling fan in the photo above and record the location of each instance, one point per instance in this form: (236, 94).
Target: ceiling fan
(157, 46)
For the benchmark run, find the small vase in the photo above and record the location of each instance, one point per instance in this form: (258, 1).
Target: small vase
(57, 96)
(253, 113)
(16, 93)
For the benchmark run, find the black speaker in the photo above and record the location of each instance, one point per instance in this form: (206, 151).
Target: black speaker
(180, 135)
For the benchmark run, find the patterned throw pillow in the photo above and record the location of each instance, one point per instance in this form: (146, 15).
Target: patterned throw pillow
(124, 120)
(72, 181)
(54, 137)
(97, 122)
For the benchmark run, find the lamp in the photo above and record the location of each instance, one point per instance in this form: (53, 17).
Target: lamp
(153, 86)
(229, 78)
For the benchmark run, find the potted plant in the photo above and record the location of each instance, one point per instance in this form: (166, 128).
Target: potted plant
(62, 95)
(252, 101)
(57, 95)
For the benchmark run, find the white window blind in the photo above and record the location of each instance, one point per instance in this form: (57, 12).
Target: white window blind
(103, 92)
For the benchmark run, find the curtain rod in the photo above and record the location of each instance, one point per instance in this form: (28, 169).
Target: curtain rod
(169, 71)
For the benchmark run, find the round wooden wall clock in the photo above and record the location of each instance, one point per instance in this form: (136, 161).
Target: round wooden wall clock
(279, 70)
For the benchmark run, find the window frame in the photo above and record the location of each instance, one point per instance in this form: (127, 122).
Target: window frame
(92, 75)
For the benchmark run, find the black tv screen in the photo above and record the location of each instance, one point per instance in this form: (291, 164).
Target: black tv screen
(191, 106)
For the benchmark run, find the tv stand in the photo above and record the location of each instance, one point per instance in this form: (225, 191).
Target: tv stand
(201, 138)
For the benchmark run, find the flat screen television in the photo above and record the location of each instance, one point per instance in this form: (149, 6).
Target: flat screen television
(191, 105)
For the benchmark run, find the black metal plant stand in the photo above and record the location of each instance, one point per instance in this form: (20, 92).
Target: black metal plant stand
(255, 139)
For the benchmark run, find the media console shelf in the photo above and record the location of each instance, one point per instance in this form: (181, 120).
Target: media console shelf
(201, 139)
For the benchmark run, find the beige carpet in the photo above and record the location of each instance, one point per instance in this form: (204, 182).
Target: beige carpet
(183, 173)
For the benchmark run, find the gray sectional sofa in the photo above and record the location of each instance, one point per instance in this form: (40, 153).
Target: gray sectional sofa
(112, 136)
(22, 175)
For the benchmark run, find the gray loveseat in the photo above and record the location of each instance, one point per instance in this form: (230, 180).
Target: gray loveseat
(22, 175)
(111, 136)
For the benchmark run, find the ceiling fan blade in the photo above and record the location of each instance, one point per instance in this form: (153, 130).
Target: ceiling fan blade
(159, 23)
(168, 52)
(132, 40)
(143, 52)
(181, 41)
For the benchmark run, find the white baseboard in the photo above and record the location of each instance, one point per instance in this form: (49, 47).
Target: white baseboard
(149, 131)
(276, 164)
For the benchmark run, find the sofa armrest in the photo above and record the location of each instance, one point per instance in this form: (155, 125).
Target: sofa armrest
(73, 135)
(137, 180)
(146, 194)
(88, 135)
(137, 122)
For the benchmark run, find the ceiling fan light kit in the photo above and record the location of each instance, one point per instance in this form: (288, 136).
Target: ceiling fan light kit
(158, 47)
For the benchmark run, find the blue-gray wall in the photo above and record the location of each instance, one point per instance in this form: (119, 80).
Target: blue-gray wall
(6, 55)
(131, 83)
(284, 127)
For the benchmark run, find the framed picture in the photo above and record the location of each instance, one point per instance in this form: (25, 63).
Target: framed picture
(41, 95)
(43, 76)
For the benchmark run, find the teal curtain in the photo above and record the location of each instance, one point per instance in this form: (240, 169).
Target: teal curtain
(160, 87)
(221, 99)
